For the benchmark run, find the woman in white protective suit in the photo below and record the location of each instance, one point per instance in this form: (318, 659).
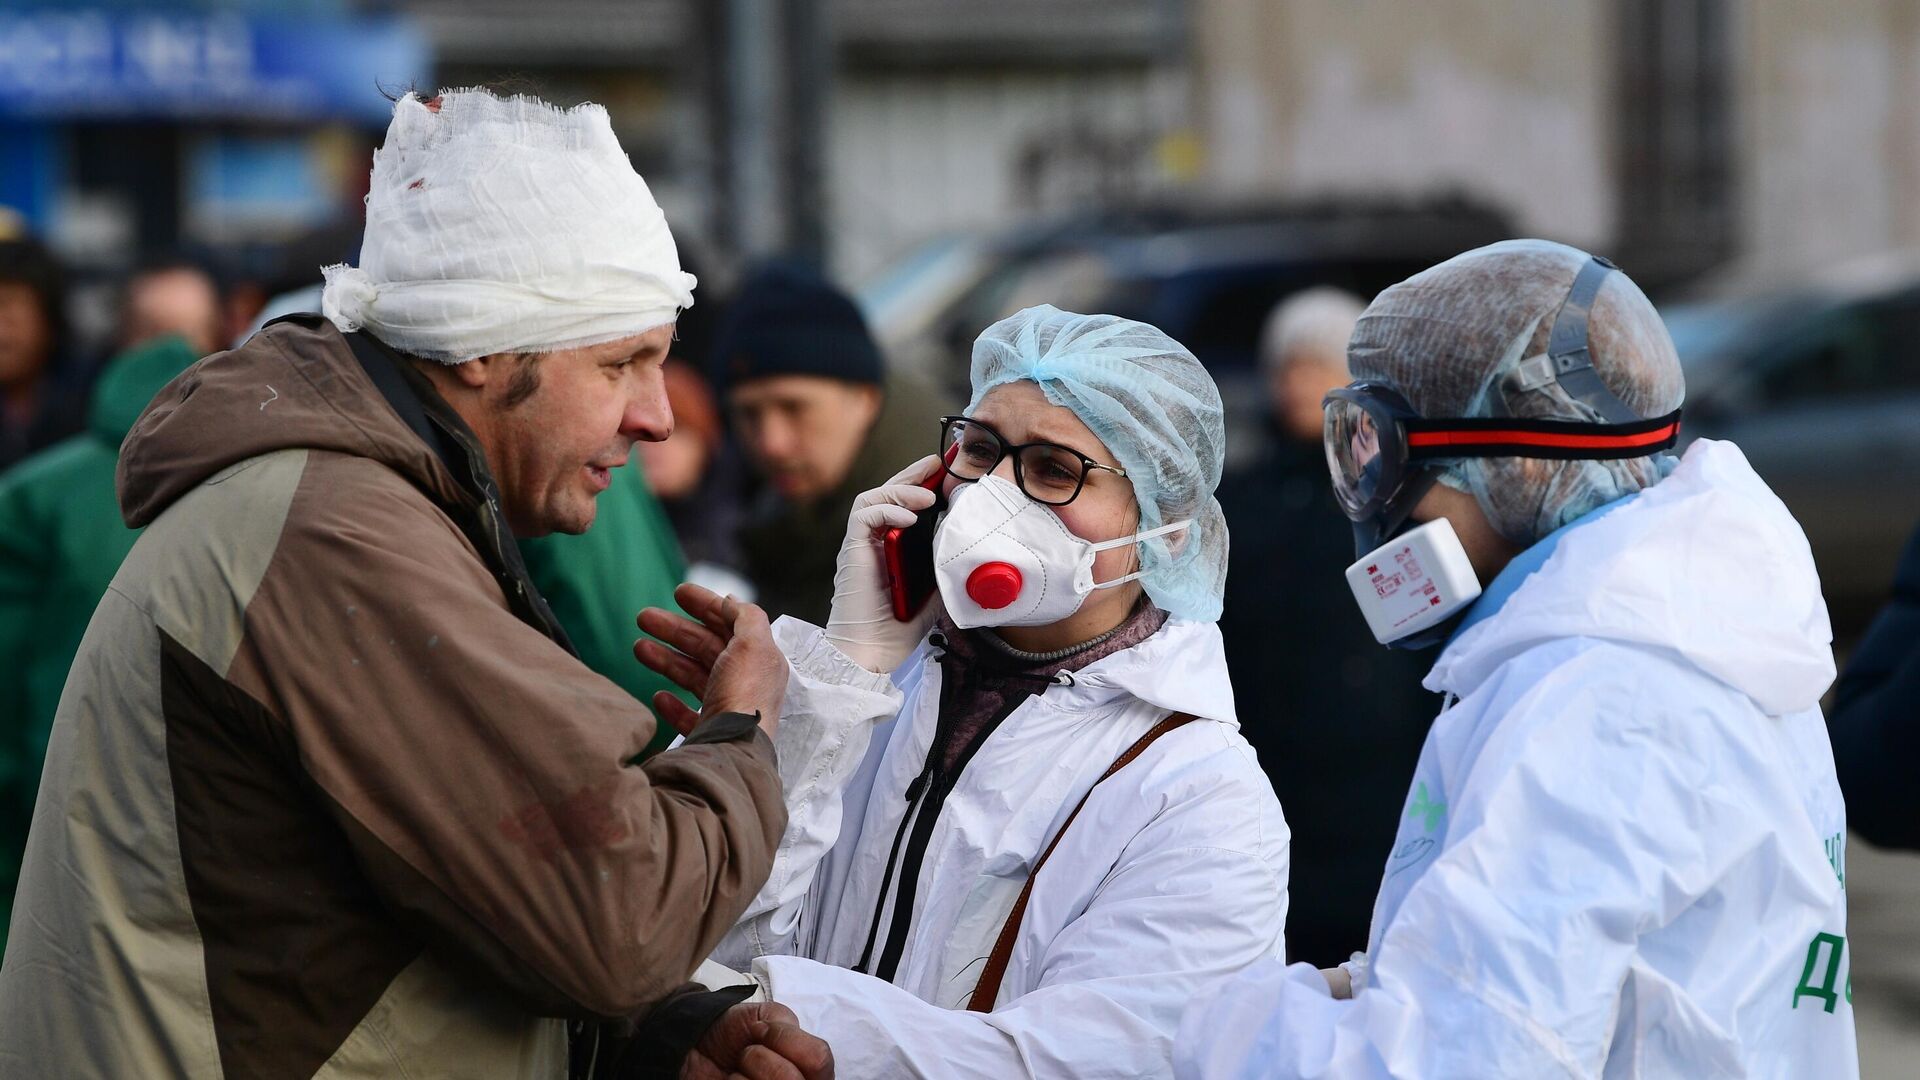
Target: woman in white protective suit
(1071, 660)
(1622, 852)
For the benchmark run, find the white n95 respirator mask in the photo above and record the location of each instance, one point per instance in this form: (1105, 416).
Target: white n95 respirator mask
(1413, 582)
(1002, 559)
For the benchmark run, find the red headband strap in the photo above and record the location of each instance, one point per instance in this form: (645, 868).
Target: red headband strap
(1553, 439)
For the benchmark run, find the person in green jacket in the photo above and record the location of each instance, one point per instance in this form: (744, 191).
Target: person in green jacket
(61, 541)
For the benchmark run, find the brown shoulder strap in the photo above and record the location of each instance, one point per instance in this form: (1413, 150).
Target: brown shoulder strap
(989, 986)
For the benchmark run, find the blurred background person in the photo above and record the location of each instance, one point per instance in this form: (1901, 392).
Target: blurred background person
(1339, 720)
(697, 473)
(175, 296)
(806, 390)
(61, 541)
(677, 467)
(42, 383)
(1303, 354)
(693, 476)
(1875, 720)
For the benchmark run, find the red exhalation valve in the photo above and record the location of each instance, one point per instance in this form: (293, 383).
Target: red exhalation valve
(994, 585)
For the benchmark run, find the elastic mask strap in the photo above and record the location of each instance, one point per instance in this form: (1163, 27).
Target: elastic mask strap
(1135, 539)
(1138, 537)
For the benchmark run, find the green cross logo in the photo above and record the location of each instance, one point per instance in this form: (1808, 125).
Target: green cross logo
(1425, 806)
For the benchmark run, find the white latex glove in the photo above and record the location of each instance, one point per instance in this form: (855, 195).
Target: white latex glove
(1349, 978)
(861, 624)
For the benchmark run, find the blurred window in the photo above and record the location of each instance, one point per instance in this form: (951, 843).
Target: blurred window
(1219, 312)
(256, 186)
(1677, 72)
(1071, 281)
(1839, 355)
(1211, 289)
(897, 298)
(1896, 338)
(1075, 281)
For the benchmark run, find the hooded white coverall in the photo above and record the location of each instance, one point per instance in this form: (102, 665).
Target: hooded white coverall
(1173, 877)
(1622, 854)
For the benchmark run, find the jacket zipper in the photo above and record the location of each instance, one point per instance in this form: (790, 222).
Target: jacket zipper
(933, 785)
(915, 789)
(941, 785)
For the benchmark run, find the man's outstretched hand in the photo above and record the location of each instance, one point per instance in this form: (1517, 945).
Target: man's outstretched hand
(759, 1040)
(724, 655)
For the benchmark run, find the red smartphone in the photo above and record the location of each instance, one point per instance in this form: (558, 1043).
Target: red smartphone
(908, 554)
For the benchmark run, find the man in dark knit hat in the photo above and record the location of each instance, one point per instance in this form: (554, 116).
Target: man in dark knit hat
(819, 422)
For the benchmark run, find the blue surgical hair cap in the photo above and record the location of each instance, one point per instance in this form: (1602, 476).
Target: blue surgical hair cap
(1156, 409)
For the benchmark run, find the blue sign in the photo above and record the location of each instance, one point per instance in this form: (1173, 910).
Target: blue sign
(81, 64)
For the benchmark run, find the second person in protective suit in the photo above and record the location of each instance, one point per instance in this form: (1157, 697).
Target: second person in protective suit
(1024, 827)
(1622, 853)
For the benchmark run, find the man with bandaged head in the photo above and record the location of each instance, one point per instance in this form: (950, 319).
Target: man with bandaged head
(1622, 852)
(328, 793)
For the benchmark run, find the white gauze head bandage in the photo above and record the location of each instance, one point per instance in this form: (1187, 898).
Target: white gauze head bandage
(506, 225)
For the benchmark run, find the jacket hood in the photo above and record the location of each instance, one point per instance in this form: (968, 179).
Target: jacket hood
(130, 380)
(1182, 668)
(1707, 563)
(294, 385)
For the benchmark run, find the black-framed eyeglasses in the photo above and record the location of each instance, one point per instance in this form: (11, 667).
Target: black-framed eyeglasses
(1048, 472)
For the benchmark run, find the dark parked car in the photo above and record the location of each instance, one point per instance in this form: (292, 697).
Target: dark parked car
(1207, 275)
(1820, 384)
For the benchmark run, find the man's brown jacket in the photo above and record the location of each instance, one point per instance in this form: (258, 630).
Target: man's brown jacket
(327, 794)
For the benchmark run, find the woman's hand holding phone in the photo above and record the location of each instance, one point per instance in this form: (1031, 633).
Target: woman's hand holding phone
(862, 623)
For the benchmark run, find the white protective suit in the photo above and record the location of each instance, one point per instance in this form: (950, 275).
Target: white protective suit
(1173, 877)
(1622, 852)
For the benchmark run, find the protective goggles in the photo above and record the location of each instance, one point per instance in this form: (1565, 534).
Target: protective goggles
(1377, 443)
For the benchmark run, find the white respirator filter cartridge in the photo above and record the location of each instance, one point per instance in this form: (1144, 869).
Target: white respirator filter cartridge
(1413, 581)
